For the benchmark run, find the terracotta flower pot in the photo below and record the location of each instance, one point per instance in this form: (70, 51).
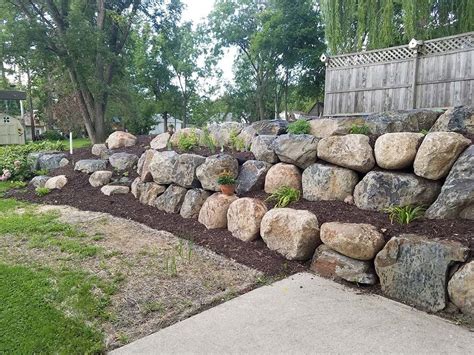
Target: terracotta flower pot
(227, 189)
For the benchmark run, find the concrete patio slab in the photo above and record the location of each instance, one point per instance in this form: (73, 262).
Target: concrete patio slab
(306, 314)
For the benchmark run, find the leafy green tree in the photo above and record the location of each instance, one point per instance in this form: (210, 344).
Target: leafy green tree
(352, 25)
(87, 38)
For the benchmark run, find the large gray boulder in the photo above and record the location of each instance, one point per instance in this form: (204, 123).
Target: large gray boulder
(123, 161)
(292, 233)
(193, 201)
(414, 269)
(352, 151)
(184, 173)
(39, 181)
(437, 154)
(461, 289)
(171, 200)
(297, 149)
(89, 166)
(333, 126)
(252, 176)
(458, 119)
(98, 148)
(270, 127)
(222, 132)
(457, 194)
(162, 167)
(146, 192)
(143, 165)
(402, 121)
(397, 150)
(51, 161)
(263, 149)
(32, 160)
(381, 189)
(160, 141)
(328, 182)
(213, 166)
(329, 263)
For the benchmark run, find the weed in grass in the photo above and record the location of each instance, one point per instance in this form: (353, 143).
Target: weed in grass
(299, 127)
(152, 307)
(123, 338)
(284, 196)
(405, 214)
(42, 191)
(360, 129)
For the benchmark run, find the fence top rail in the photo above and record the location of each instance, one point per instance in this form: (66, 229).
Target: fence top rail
(433, 46)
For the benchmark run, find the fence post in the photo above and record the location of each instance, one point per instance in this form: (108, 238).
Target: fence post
(414, 45)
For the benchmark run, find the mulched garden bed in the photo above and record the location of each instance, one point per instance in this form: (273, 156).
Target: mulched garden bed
(80, 194)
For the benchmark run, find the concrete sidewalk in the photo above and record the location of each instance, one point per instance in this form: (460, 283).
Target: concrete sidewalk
(307, 314)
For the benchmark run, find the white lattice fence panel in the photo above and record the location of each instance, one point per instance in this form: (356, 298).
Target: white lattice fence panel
(372, 57)
(443, 45)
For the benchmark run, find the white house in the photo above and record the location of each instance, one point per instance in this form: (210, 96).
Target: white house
(159, 126)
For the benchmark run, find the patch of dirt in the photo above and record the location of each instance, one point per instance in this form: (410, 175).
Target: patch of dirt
(162, 278)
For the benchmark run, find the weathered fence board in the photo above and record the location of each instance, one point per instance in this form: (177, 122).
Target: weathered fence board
(430, 74)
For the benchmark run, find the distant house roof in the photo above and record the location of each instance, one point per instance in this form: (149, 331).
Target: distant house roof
(12, 95)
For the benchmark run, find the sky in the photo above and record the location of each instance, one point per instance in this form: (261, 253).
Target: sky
(196, 11)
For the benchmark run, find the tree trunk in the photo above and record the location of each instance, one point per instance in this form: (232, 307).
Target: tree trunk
(165, 121)
(286, 93)
(30, 100)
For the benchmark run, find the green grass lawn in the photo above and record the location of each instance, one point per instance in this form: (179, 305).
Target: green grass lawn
(48, 309)
(8, 185)
(78, 143)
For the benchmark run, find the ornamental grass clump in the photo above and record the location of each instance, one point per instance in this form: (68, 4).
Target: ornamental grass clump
(284, 196)
(360, 129)
(405, 214)
(299, 127)
(188, 141)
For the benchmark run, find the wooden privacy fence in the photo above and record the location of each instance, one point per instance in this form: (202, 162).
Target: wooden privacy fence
(422, 74)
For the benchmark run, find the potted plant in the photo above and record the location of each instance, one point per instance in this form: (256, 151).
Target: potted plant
(227, 183)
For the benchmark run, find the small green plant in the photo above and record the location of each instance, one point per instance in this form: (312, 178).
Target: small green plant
(299, 127)
(42, 191)
(41, 172)
(284, 196)
(360, 129)
(188, 141)
(405, 214)
(208, 140)
(226, 178)
(170, 266)
(424, 132)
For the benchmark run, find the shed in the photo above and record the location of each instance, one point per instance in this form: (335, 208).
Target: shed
(11, 128)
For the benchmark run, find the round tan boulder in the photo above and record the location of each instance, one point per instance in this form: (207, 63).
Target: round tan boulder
(160, 141)
(56, 182)
(213, 213)
(244, 217)
(280, 175)
(355, 240)
(461, 289)
(397, 150)
(292, 233)
(352, 151)
(121, 139)
(110, 190)
(100, 178)
(437, 154)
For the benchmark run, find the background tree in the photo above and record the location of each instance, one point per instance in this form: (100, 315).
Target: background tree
(352, 25)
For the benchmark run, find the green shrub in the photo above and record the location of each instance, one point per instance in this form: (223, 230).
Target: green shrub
(299, 127)
(360, 129)
(237, 143)
(284, 196)
(14, 157)
(405, 214)
(188, 141)
(51, 135)
(42, 191)
(41, 172)
(226, 178)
